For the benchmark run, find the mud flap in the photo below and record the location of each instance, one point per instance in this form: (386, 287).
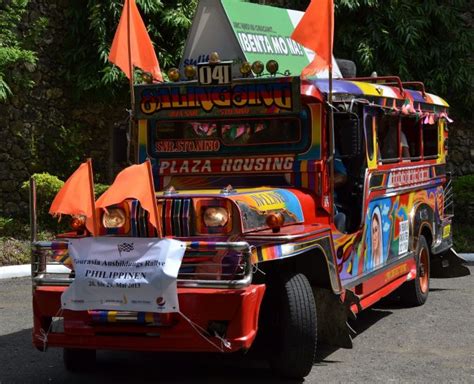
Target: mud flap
(448, 264)
(333, 314)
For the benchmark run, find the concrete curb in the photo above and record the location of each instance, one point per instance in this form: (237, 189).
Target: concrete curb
(24, 270)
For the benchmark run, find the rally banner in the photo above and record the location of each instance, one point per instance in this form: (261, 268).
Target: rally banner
(124, 274)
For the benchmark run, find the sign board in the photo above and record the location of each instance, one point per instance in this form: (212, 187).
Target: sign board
(241, 31)
(266, 96)
(125, 274)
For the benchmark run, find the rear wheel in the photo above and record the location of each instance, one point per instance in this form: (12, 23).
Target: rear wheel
(294, 326)
(415, 292)
(78, 359)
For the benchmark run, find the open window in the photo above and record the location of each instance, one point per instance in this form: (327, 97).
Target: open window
(430, 141)
(388, 138)
(411, 130)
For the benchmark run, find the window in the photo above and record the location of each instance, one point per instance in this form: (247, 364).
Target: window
(412, 132)
(430, 140)
(368, 125)
(388, 137)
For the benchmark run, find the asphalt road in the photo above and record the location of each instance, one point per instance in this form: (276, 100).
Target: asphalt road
(429, 344)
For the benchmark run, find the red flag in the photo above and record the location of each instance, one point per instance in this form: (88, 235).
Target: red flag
(315, 31)
(76, 197)
(134, 182)
(132, 44)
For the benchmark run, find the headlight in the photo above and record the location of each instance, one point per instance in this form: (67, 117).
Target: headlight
(114, 218)
(215, 217)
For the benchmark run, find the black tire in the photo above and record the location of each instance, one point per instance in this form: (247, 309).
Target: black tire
(415, 292)
(76, 360)
(295, 326)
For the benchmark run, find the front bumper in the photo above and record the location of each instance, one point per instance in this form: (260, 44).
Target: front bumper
(235, 310)
(219, 310)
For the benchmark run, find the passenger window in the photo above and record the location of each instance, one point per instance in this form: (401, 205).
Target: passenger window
(387, 138)
(411, 130)
(368, 121)
(430, 140)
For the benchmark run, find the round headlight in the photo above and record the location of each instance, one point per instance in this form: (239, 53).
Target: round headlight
(113, 218)
(215, 216)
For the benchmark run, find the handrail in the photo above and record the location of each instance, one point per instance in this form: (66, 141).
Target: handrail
(413, 84)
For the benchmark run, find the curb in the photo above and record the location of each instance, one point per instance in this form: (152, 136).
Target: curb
(12, 271)
(24, 270)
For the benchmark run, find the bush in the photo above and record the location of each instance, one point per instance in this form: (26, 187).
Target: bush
(14, 251)
(47, 186)
(463, 223)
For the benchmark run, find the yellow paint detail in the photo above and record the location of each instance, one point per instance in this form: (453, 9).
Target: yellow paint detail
(111, 316)
(268, 201)
(396, 272)
(446, 231)
(373, 163)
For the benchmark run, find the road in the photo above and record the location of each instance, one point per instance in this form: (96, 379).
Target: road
(429, 344)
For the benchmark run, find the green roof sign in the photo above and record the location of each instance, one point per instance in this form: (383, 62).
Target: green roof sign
(241, 31)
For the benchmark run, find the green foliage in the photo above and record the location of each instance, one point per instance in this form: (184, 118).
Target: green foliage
(463, 187)
(429, 41)
(463, 228)
(47, 186)
(92, 29)
(14, 55)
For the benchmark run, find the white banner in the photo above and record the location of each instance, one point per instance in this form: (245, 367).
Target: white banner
(124, 274)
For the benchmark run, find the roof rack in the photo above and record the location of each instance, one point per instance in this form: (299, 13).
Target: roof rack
(384, 80)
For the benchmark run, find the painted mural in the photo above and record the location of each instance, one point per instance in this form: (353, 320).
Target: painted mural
(386, 235)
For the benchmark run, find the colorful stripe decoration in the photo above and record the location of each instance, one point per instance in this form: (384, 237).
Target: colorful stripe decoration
(380, 91)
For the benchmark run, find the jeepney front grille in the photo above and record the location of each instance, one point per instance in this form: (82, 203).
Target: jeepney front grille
(176, 219)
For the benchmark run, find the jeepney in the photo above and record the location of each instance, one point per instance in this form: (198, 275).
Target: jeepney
(277, 255)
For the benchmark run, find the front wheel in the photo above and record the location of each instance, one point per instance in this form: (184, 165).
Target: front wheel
(295, 326)
(415, 292)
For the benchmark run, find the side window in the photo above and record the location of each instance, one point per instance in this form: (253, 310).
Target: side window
(411, 132)
(387, 137)
(430, 140)
(368, 123)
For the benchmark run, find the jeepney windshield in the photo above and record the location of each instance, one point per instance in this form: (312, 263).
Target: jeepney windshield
(246, 135)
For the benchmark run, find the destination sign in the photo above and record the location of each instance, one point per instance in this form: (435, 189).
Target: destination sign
(266, 97)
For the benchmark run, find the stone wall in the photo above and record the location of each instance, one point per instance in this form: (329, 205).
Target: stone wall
(38, 126)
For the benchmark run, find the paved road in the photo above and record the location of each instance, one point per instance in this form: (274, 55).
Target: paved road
(429, 344)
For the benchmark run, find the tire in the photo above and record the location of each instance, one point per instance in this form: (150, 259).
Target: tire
(415, 292)
(76, 360)
(294, 336)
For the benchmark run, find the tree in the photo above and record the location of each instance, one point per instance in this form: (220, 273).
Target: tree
(92, 28)
(13, 51)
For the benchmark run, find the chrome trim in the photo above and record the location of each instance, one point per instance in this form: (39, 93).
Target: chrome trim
(41, 277)
(272, 236)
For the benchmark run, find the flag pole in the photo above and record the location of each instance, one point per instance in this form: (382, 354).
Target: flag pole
(155, 206)
(130, 67)
(92, 196)
(331, 114)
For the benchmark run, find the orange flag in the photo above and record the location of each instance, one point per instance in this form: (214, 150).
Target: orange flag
(132, 44)
(76, 197)
(315, 31)
(134, 182)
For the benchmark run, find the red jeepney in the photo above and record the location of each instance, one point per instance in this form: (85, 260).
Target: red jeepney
(295, 211)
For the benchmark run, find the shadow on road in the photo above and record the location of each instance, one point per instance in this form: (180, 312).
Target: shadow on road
(21, 362)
